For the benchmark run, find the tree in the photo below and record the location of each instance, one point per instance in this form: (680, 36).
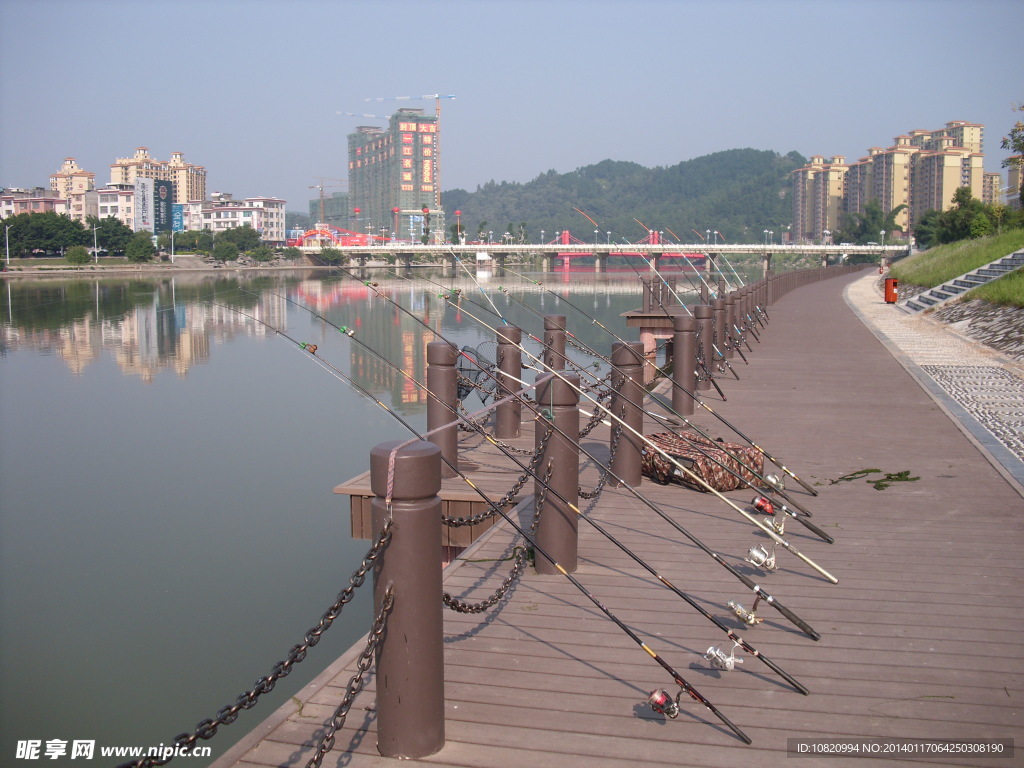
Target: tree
(262, 253)
(1014, 143)
(225, 250)
(861, 228)
(140, 248)
(331, 256)
(980, 225)
(245, 237)
(112, 235)
(77, 254)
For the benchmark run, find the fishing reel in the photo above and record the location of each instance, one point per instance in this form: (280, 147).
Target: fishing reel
(774, 521)
(772, 480)
(759, 556)
(662, 703)
(719, 660)
(747, 617)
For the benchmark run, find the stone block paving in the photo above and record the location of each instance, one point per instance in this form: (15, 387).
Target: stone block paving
(981, 388)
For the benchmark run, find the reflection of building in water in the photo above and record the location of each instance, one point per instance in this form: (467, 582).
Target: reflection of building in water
(80, 345)
(162, 332)
(399, 338)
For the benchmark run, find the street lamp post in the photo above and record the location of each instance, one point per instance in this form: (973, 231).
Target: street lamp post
(96, 250)
(7, 243)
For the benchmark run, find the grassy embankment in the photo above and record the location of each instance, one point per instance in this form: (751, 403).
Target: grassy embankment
(937, 265)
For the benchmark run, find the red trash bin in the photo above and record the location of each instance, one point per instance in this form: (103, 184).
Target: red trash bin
(890, 290)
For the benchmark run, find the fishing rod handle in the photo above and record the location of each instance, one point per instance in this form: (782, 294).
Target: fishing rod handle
(803, 626)
(814, 529)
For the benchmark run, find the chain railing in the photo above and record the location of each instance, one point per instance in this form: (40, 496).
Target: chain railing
(509, 496)
(228, 714)
(355, 683)
(519, 558)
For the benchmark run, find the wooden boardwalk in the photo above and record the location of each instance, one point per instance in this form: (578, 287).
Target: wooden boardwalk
(921, 638)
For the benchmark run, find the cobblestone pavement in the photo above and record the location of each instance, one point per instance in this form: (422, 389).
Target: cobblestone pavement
(981, 388)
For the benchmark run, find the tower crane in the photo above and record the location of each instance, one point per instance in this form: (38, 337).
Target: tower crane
(321, 186)
(437, 151)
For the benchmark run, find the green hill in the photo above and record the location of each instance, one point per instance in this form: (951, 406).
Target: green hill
(739, 192)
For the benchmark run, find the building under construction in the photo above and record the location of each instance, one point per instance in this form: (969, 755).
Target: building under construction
(393, 178)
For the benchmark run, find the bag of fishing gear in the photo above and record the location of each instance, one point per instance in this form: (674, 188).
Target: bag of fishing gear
(707, 459)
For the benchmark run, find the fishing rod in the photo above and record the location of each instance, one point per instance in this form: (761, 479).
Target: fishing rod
(775, 485)
(679, 466)
(770, 483)
(679, 299)
(739, 642)
(722, 276)
(757, 307)
(760, 594)
(660, 401)
(676, 677)
(690, 394)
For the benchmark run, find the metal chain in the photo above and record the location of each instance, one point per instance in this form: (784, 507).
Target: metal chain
(519, 559)
(355, 683)
(596, 416)
(616, 435)
(470, 384)
(509, 495)
(228, 714)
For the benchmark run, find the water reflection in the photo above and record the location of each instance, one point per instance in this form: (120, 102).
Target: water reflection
(148, 326)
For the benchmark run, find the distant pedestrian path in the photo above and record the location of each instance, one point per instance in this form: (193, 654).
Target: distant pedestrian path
(981, 389)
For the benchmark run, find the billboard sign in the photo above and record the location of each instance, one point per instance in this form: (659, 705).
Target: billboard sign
(163, 199)
(144, 205)
(178, 217)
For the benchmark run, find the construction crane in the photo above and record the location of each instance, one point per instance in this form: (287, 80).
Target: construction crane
(321, 186)
(363, 114)
(437, 152)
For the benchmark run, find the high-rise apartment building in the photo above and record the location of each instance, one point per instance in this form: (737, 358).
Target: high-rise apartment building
(76, 185)
(393, 175)
(189, 180)
(818, 192)
(921, 170)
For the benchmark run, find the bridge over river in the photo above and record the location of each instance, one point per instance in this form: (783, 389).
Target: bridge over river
(651, 253)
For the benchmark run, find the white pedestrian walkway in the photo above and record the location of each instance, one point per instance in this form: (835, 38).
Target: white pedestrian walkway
(979, 388)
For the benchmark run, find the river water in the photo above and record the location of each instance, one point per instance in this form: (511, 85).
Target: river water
(168, 529)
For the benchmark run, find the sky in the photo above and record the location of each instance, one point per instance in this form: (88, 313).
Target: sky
(258, 92)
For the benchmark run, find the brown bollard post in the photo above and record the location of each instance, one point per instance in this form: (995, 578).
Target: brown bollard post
(508, 416)
(705, 335)
(558, 404)
(718, 320)
(628, 397)
(684, 363)
(730, 320)
(410, 654)
(554, 342)
(442, 386)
